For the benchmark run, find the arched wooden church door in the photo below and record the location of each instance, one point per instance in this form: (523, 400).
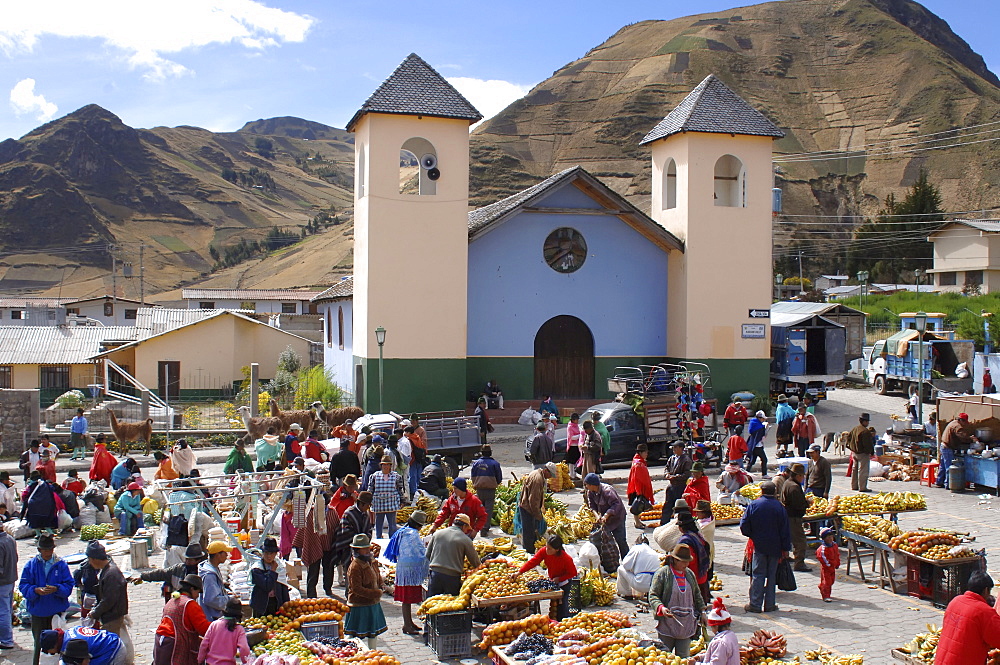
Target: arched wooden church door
(564, 359)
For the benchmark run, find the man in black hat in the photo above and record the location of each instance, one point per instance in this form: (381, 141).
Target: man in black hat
(861, 442)
(171, 577)
(76, 653)
(676, 471)
(268, 581)
(112, 596)
(432, 479)
(105, 647)
(45, 584)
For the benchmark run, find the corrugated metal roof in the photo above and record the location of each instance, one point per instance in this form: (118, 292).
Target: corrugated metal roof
(29, 302)
(987, 225)
(247, 294)
(786, 319)
(712, 107)
(74, 301)
(416, 89)
(56, 345)
(152, 321)
(342, 289)
(795, 307)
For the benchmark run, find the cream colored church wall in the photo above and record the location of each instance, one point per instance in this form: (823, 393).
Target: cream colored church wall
(410, 251)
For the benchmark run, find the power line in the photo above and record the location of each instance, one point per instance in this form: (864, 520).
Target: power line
(865, 153)
(878, 144)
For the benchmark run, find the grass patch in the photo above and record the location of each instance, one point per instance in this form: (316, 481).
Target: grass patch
(172, 244)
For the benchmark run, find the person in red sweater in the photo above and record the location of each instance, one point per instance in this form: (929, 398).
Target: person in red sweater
(461, 501)
(312, 448)
(828, 554)
(346, 495)
(736, 446)
(183, 625)
(560, 567)
(73, 483)
(46, 468)
(639, 483)
(697, 486)
(970, 627)
(736, 414)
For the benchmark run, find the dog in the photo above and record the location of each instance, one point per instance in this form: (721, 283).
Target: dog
(839, 442)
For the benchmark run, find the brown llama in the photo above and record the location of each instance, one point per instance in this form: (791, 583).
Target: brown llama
(257, 426)
(337, 416)
(304, 417)
(126, 433)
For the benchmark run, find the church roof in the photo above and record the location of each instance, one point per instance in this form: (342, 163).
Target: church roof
(712, 107)
(342, 289)
(416, 89)
(482, 219)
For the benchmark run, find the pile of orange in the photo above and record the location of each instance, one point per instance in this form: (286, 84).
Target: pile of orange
(316, 616)
(506, 632)
(620, 651)
(598, 624)
(297, 608)
(363, 658)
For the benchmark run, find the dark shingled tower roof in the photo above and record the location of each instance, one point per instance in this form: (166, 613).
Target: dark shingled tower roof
(713, 107)
(416, 89)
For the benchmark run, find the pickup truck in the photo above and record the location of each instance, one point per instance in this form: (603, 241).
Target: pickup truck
(895, 364)
(451, 434)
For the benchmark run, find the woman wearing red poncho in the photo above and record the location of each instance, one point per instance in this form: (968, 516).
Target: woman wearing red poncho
(697, 487)
(103, 462)
(639, 483)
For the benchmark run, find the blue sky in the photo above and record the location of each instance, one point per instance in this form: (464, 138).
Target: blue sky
(219, 63)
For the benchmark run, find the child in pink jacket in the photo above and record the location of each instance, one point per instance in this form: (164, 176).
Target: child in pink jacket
(225, 637)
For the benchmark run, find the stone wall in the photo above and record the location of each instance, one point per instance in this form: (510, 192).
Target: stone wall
(19, 420)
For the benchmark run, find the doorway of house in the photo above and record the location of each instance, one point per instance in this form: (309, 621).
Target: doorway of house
(359, 385)
(168, 379)
(564, 359)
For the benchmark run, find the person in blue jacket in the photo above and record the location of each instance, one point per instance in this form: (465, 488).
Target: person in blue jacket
(46, 584)
(122, 473)
(104, 647)
(548, 406)
(765, 523)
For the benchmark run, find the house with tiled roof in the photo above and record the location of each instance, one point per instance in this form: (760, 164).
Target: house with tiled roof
(548, 290)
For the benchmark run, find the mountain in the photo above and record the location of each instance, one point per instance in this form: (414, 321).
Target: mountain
(80, 183)
(833, 75)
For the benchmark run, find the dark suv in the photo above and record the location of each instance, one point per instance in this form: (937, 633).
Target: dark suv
(625, 426)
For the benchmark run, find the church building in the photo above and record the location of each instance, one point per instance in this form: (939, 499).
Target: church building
(548, 290)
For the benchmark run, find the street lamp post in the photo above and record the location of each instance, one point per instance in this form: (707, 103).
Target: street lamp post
(921, 322)
(863, 278)
(779, 279)
(380, 338)
(917, 274)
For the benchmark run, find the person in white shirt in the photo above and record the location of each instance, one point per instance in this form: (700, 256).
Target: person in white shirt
(44, 443)
(405, 447)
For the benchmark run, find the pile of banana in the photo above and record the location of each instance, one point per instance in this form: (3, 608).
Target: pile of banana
(924, 646)
(441, 603)
(902, 500)
(503, 545)
(731, 511)
(817, 654)
(571, 527)
(872, 526)
(601, 589)
(751, 491)
(819, 506)
(561, 481)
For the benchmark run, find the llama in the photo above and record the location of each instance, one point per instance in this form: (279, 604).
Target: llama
(337, 416)
(304, 417)
(257, 426)
(126, 433)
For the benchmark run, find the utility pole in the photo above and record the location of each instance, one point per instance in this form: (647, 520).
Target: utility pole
(802, 285)
(142, 275)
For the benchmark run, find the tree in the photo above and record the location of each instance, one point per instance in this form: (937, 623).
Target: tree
(264, 147)
(289, 360)
(892, 245)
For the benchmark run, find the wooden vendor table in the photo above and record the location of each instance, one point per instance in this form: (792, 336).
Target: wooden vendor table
(880, 552)
(498, 657)
(532, 600)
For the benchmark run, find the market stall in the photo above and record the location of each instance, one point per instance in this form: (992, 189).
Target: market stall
(980, 460)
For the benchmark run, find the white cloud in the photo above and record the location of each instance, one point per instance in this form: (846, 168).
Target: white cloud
(491, 96)
(145, 32)
(24, 100)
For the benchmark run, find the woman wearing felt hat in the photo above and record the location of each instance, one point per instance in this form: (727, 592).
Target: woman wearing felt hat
(364, 593)
(226, 639)
(407, 551)
(677, 601)
(724, 648)
(129, 509)
(178, 637)
(268, 581)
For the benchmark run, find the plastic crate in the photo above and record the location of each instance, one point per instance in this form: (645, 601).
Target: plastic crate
(452, 646)
(919, 579)
(953, 581)
(575, 603)
(449, 623)
(315, 629)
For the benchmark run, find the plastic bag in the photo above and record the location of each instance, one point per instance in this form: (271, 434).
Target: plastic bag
(104, 516)
(58, 622)
(529, 417)
(18, 529)
(63, 520)
(88, 515)
(588, 557)
(785, 578)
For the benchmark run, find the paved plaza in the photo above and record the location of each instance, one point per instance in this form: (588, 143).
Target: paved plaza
(862, 619)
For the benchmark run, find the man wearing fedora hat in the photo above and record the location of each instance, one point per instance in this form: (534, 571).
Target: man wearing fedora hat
(105, 648)
(676, 471)
(111, 611)
(346, 495)
(268, 581)
(861, 442)
(446, 555)
(76, 652)
(46, 584)
(676, 601)
(172, 576)
(356, 520)
(794, 500)
(179, 634)
(765, 522)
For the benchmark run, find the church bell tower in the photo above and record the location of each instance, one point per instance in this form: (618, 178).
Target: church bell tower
(411, 241)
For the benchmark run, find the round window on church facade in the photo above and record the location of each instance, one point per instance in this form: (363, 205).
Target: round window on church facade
(565, 250)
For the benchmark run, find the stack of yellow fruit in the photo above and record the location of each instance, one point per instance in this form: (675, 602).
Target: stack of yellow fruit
(923, 647)
(622, 650)
(751, 491)
(561, 481)
(603, 588)
(441, 603)
(731, 511)
(600, 623)
(819, 506)
(506, 632)
(872, 526)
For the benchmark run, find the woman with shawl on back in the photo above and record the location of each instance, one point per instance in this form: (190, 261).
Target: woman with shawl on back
(41, 505)
(103, 462)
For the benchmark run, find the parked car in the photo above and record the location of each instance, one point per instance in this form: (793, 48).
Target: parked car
(626, 428)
